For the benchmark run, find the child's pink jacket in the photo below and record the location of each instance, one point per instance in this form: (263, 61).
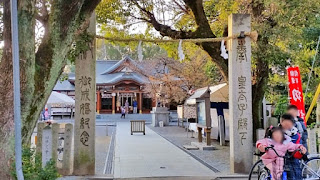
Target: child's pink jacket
(271, 160)
(281, 149)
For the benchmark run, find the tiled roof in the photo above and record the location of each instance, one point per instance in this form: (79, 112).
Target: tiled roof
(64, 86)
(218, 93)
(104, 75)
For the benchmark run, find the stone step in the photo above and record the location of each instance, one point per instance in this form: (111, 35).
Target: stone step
(228, 177)
(109, 177)
(190, 147)
(203, 146)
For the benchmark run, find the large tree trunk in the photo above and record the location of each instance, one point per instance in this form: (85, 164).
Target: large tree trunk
(6, 98)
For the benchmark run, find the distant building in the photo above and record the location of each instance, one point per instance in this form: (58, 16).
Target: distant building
(116, 81)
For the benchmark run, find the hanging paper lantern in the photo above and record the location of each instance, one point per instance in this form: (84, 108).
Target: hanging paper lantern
(180, 51)
(223, 50)
(140, 55)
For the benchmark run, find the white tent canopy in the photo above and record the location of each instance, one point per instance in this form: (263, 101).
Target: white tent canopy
(60, 100)
(218, 93)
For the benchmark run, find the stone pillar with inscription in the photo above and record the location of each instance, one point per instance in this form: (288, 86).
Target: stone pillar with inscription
(55, 138)
(40, 127)
(85, 88)
(67, 163)
(240, 94)
(46, 145)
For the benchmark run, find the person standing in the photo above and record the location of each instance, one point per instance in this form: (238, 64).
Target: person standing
(46, 114)
(127, 106)
(299, 124)
(135, 107)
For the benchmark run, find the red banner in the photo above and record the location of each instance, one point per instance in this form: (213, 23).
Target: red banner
(295, 90)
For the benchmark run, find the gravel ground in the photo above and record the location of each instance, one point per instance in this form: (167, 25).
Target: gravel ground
(217, 159)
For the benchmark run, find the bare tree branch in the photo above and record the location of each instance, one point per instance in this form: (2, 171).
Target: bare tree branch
(184, 9)
(164, 30)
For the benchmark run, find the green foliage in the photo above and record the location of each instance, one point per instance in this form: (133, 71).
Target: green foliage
(212, 72)
(281, 106)
(105, 7)
(312, 125)
(32, 167)
(82, 44)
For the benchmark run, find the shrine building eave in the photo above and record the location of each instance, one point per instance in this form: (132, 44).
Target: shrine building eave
(126, 61)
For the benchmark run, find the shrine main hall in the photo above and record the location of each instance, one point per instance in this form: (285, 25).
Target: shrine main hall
(117, 81)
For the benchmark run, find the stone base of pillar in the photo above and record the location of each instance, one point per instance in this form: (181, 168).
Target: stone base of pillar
(98, 111)
(113, 111)
(160, 114)
(140, 111)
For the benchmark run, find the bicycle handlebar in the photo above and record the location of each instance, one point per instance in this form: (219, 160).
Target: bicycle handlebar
(272, 147)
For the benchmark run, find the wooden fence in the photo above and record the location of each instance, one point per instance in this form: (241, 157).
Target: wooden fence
(138, 126)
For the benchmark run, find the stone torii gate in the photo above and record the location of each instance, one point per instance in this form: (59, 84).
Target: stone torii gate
(240, 101)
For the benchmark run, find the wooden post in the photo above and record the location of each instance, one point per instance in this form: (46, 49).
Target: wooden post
(240, 94)
(98, 102)
(85, 117)
(55, 139)
(113, 104)
(39, 137)
(67, 160)
(199, 134)
(140, 102)
(208, 137)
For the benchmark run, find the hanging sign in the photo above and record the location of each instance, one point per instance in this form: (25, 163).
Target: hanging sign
(105, 95)
(295, 90)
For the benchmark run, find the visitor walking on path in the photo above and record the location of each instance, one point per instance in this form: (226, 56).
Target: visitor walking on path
(123, 112)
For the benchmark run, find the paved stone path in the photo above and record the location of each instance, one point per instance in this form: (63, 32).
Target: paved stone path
(219, 159)
(152, 156)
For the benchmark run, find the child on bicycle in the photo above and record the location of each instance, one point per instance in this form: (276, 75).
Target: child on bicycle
(288, 126)
(275, 137)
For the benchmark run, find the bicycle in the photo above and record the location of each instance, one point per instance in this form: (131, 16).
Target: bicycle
(310, 167)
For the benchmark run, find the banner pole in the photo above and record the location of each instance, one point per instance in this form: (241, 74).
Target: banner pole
(314, 101)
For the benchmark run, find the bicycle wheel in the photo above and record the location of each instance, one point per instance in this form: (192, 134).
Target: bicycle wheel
(311, 169)
(259, 171)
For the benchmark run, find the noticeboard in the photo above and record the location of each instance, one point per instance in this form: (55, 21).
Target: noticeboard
(201, 107)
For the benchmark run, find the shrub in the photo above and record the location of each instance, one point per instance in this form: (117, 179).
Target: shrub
(32, 167)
